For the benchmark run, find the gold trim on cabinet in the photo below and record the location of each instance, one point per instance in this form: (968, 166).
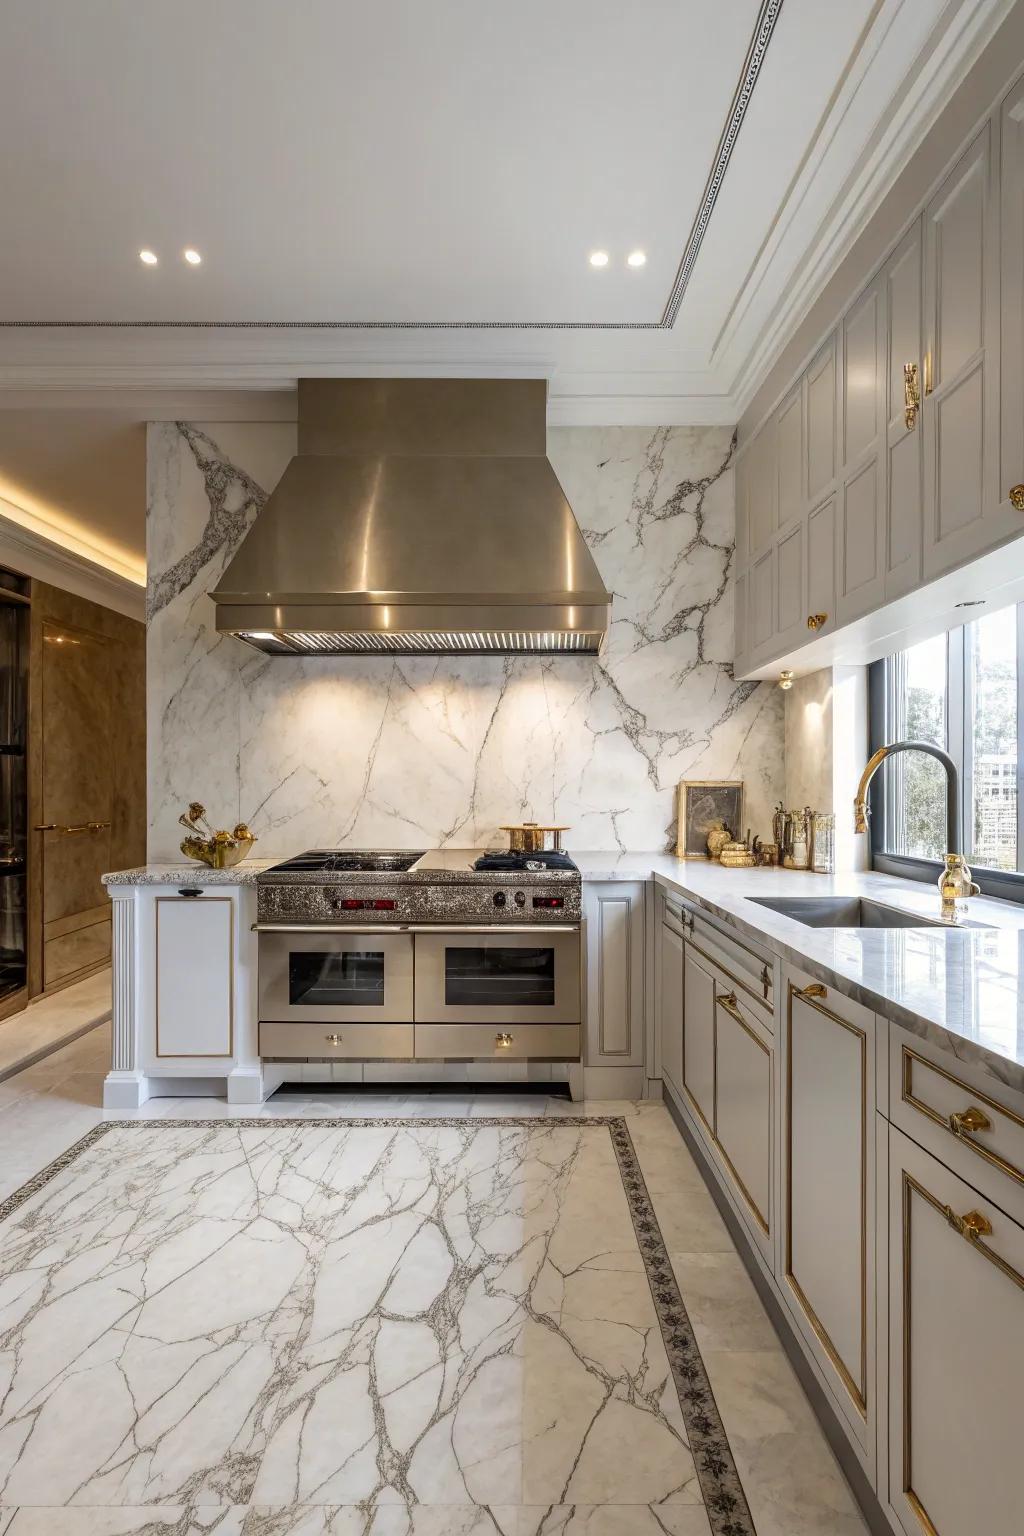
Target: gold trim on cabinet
(728, 1004)
(857, 1391)
(816, 620)
(702, 1117)
(971, 1228)
(628, 1048)
(911, 396)
(195, 1055)
(1017, 497)
(963, 1136)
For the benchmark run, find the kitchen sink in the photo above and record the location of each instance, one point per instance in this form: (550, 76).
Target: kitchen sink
(849, 912)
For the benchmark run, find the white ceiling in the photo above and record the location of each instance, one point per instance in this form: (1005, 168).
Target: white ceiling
(440, 170)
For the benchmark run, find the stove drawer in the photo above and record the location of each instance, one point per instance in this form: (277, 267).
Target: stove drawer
(512, 1042)
(337, 1042)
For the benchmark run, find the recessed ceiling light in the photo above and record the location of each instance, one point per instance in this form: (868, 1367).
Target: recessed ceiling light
(148, 258)
(192, 257)
(636, 259)
(599, 258)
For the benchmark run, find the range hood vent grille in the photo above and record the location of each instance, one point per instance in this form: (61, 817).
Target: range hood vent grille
(419, 517)
(498, 642)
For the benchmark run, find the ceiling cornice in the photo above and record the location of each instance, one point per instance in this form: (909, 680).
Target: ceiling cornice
(33, 554)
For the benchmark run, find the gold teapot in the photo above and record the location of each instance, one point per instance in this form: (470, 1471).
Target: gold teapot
(219, 850)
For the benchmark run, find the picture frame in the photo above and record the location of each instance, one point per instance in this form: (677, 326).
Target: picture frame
(703, 804)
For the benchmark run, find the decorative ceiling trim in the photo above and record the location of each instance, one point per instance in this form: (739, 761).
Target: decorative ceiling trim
(764, 27)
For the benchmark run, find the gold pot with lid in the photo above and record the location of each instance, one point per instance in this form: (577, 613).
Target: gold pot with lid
(533, 837)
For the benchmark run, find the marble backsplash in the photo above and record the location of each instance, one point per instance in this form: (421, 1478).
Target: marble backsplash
(398, 752)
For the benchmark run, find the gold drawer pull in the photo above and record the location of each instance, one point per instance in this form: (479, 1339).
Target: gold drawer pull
(1017, 497)
(972, 1226)
(814, 989)
(503, 1040)
(727, 1000)
(816, 620)
(965, 1121)
(333, 1039)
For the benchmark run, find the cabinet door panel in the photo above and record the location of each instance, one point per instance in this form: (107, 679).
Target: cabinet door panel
(790, 619)
(761, 582)
(742, 484)
(743, 1109)
(858, 543)
(904, 483)
(670, 1006)
(820, 385)
(761, 488)
(828, 1189)
(860, 376)
(956, 1351)
(699, 1038)
(961, 317)
(789, 449)
(615, 973)
(741, 617)
(194, 976)
(821, 562)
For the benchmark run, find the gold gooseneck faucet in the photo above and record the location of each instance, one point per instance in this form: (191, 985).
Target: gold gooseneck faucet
(955, 882)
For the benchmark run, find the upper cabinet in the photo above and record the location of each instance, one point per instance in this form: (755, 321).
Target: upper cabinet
(961, 285)
(902, 277)
(897, 456)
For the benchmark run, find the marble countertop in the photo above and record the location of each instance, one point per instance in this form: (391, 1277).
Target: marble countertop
(960, 988)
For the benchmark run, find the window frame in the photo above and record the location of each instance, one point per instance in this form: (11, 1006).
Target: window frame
(1008, 885)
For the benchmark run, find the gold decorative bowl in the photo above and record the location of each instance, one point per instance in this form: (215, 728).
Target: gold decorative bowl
(218, 850)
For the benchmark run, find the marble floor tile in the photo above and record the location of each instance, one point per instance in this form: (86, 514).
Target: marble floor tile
(725, 1309)
(349, 1520)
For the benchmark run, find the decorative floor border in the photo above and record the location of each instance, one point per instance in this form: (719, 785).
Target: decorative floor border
(724, 1498)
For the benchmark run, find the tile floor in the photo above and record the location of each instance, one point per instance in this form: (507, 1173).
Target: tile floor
(792, 1482)
(51, 1022)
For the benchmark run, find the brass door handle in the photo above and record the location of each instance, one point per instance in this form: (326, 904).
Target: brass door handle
(97, 826)
(83, 826)
(972, 1228)
(727, 1000)
(816, 620)
(815, 989)
(503, 1040)
(47, 826)
(1017, 497)
(965, 1121)
(911, 395)
(70, 831)
(333, 1039)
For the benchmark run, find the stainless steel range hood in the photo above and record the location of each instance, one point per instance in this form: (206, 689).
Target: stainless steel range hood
(419, 516)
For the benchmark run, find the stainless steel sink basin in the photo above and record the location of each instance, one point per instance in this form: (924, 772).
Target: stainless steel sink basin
(848, 912)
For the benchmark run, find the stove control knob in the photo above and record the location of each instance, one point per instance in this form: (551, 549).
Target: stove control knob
(500, 898)
(520, 898)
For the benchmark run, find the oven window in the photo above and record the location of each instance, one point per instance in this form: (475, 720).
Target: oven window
(479, 977)
(327, 979)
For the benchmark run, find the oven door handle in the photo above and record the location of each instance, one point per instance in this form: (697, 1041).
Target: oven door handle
(353, 928)
(494, 928)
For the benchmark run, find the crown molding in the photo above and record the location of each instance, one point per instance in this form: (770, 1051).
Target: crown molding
(32, 554)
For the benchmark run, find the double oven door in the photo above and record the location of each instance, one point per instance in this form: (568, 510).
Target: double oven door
(426, 974)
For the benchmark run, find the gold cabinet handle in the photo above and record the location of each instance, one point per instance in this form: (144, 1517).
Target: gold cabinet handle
(97, 826)
(333, 1039)
(929, 383)
(814, 989)
(727, 1000)
(47, 826)
(1017, 497)
(83, 826)
(972, 1228)
(911, 395)
(965, 1122)
(816, 620)
(503, 1040)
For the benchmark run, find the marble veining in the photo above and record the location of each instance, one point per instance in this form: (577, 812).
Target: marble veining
(408, 752)
(323, 1325)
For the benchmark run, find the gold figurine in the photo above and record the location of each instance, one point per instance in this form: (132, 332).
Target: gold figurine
(220, 850)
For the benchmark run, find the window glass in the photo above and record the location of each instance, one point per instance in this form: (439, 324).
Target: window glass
(917, 783)
(992, 734)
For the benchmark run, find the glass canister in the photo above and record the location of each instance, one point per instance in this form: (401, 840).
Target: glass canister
(823, 843)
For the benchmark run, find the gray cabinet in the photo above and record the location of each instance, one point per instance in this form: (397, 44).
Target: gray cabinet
(959, 418)
(820, 412)
(904, 434)
(860, 498)
(790, 495)
(614, 914)
(699, 1038)
(670, 997)
(1010, 519)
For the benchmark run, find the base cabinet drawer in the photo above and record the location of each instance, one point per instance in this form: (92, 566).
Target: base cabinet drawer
(337, 1042)
(484, 1042)
(956, 1331)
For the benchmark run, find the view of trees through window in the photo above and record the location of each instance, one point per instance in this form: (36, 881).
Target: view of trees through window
(960, 692)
